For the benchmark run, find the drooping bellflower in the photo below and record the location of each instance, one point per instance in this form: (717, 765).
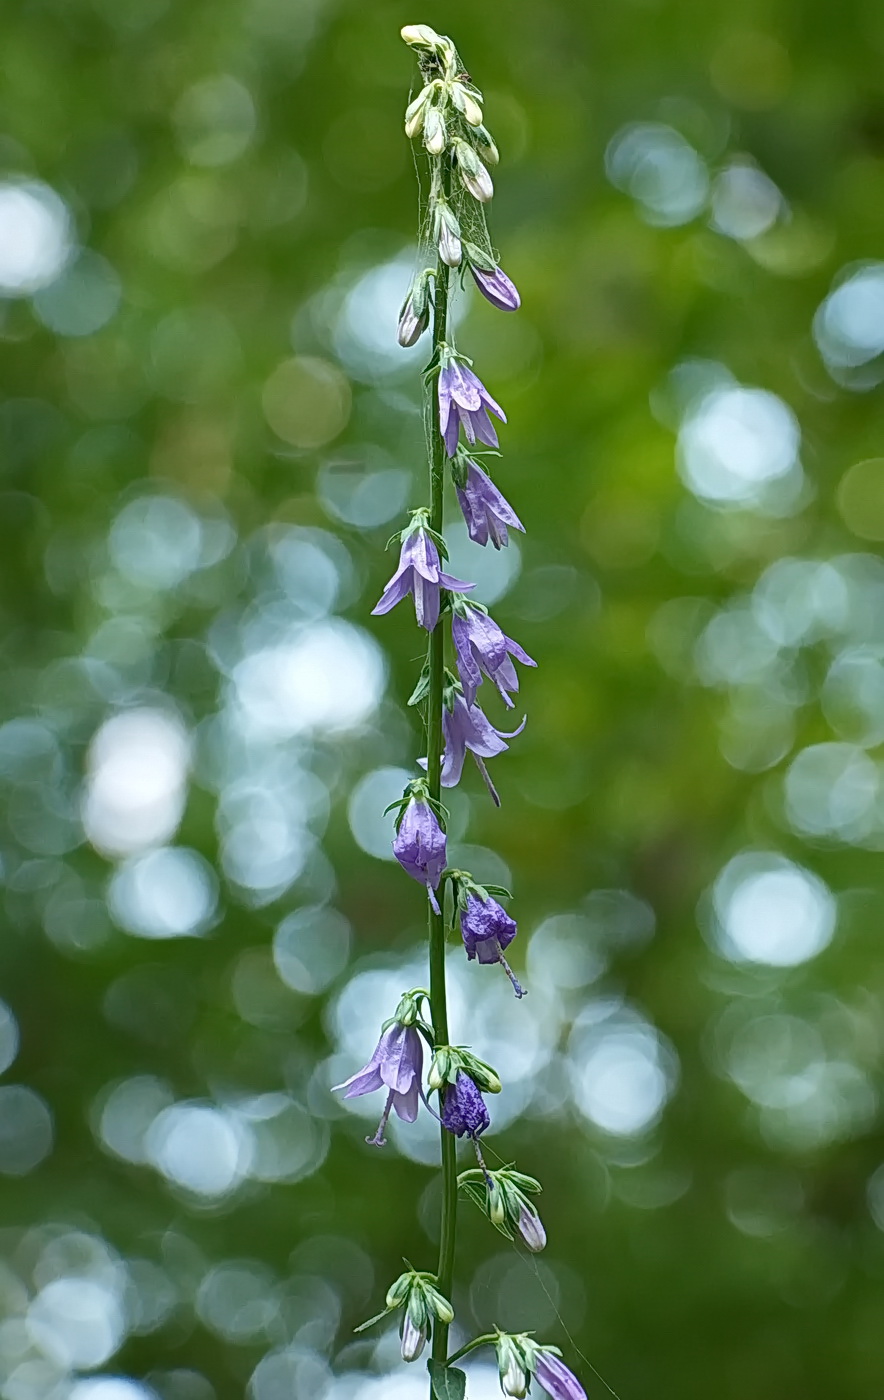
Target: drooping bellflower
(497, 288)
(464, 400)
(463, 1109)
(486, 929)
(481, 646)
(397, 1063)
(466, 727)
(419, 573)
(487, 512)
(555, 1377)
(420, 845)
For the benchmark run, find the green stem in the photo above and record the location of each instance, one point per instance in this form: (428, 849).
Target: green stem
(487, 1339)
(438, 996)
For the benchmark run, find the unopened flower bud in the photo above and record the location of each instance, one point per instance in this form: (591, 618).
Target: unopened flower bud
(489, 150)
(530, 1227)
(450, 250)
(412, 325)
(438, 1076)
(473, 173)
(434, 131)
(514, 1374)
(496, 1205)
(420, 36)
(440, 1307)
(413, 1339)
(398, 1291)
(466, 104)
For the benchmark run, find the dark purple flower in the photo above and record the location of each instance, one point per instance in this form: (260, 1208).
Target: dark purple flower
(482, 646)
(466, 727)
(486, 928)
(556, 1379)
(419, 573)
(397, 1062)
(463, 1109)
(487, 512)
(497, 288)
(419, 845)
(463, 399)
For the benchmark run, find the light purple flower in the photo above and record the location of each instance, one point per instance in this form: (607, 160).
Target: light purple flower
(497, 288)
(463, 1109)
(481, 646)
(530, 1227)
(486, 928)
(420, 845)
(463, 399)
(419, 572)
(556, 1379)
(485, 509)
(466, 727)
(397, 1063)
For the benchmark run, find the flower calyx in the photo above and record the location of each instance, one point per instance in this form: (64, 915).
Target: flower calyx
(423, 1305)
(408, 1011)
(464, 885)
(503, 1196)
(449, 1060)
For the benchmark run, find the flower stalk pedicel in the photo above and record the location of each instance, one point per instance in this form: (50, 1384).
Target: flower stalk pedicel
(446, 118)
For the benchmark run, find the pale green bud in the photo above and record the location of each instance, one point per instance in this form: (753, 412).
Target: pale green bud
(438, 1305)
(434, 131)
(490, 151)
(473, 173)
(466, 104)
(496, 1205)
(398, 1291)
(438, 1076)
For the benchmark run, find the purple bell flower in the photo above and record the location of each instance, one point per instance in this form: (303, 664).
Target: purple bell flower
(397, 1063)
(486, 510)
(463, 399)
(486, 929)
(482, 646)
(497, 288)
(419, 572)
(556, 1379)
(420, 846)
(466, 727)
(463, 1109)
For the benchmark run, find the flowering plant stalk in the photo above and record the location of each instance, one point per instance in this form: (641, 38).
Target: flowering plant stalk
(447, 117)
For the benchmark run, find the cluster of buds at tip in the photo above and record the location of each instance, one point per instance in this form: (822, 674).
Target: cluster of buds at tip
(503, 1196)
(520, 1359)
(451, 1060)
(422, 1304)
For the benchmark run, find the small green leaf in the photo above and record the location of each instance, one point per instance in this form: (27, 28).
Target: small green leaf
(447, 1381)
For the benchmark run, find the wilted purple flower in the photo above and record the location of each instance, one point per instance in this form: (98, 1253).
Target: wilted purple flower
(397, 1062)
(486, 928)
(466, 727)
(420, 845)
(485, 509)
(463, 399)
(482, 646)
(497, 288)
(463, 1109)
(556, 1379)
(419, 572)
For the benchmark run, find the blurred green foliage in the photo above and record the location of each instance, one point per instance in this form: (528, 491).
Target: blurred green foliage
(207, 223)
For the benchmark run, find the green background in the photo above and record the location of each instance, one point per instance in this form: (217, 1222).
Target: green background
(207, 222)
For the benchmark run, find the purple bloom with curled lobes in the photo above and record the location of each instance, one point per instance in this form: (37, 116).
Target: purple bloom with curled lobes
(466, 727)
(420, 845)
(463, 399)
(555, 1377)
(481, 646)
(397, 1063)
(486, 510)
(463, 1109)
(497, 288)
(420, 573)
(486, 929)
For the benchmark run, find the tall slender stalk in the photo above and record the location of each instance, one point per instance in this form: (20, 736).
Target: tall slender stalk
(438, 993)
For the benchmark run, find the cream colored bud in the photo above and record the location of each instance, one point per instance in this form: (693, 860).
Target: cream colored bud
(466, 104)
(434, 131)
(477, 181)
(513, 1380)
(413, 1339)
(490, 151)
(450, 250)
(420, 36)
